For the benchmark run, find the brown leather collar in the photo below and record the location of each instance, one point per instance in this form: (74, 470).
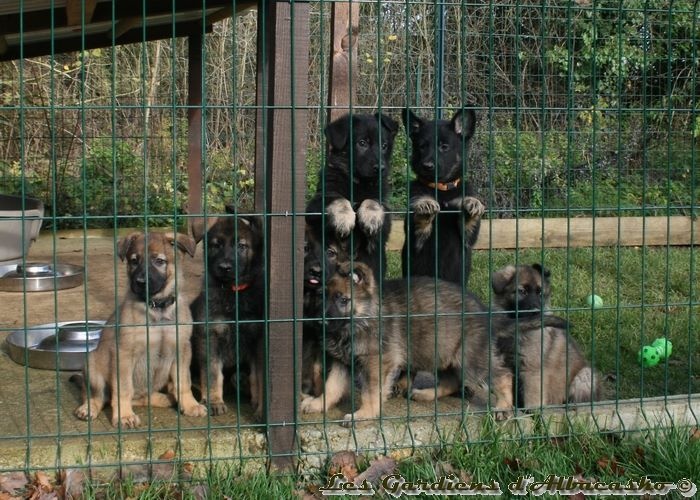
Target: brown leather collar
(441, 186)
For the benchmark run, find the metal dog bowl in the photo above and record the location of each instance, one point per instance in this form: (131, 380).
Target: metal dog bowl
(39, 277)
(52, 346)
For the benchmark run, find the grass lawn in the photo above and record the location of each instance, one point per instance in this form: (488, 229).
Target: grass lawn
(664, 455)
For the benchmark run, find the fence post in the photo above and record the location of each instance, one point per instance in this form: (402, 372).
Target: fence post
(281, 140)
(345, 28)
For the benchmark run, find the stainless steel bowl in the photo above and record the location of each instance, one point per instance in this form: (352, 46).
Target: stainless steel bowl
(62, 346)
(39, 277)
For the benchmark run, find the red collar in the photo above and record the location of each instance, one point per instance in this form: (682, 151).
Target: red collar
(441, 186)
(240, 288)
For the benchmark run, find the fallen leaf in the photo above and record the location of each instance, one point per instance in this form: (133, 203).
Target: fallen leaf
(695, 434)
(611, 464)
(167, 455)
(200, 492)
(376, 470)
(187, 471)
(639, 455)
(444, 469)
(12, 481)
(344, 462)
(512, 463)
(42, 482)
(73, 484)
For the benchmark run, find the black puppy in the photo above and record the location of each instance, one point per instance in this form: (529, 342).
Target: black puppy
(354, 185)
(233, 295)
(441, 200)
(321, 258)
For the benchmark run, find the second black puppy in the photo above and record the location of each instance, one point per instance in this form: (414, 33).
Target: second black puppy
(445, 216)
(354, 185)
(233, 295)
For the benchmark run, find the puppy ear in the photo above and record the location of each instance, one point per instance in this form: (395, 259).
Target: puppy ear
(388, 123)
(255, 222)
(501, 278)
(544, 272)
(337, 132)
(124, 244)
(464, 123)
(411, 121)
(183, 242)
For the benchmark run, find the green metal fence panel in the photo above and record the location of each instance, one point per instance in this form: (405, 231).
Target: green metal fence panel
(587, 126)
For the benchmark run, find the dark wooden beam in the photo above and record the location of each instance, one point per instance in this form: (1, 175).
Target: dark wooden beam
(345, 27)
(194, 136)
(75, 9)
(100, 40)
(281, 152)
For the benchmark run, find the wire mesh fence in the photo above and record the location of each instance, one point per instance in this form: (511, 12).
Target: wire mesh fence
(583, 157)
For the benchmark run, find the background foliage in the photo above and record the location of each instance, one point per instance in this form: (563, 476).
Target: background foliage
(585, 107)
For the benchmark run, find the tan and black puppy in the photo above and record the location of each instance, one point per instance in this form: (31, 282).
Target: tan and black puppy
(551, 366)
(229, 313)
(145, 346)
(449, 332)
(521, 290)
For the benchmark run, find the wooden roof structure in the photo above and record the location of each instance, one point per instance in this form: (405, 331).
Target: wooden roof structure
(31, 28)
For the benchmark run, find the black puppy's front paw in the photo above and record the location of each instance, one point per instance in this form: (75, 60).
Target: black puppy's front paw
(370, 217)
(473, 207)
(341, 216)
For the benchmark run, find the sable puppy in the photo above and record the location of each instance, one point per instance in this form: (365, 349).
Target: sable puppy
(229, 311)
(551, 366)
(462, 338)
(145, 346)
(320, 261)
(354, 185)
(442, 204)
(521, 290)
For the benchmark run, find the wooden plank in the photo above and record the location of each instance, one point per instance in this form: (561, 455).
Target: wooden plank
(345, 27)
(194, 136)
(577, 232)
(74, 11)
(285, 30)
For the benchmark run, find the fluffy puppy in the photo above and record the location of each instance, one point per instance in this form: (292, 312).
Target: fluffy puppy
(228, 314)
(550, 365)
(144, 348)
(445, 216)
(354, 185)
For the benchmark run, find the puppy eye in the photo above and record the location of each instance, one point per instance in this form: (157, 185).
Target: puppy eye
(385, 145)
(538, 290)
(331, 252)
(522, 291)
(242, 246)
(343, 301)
(362, 143)
(159, 262)
(133, 259)
(443, 147)
(306, 248)
(214, 244)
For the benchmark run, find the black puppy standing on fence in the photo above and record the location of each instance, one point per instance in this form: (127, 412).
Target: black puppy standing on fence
(354, 186)
(445, 216)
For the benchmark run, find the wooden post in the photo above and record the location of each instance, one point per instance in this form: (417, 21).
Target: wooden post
(345, 27)
(283, 48)
(194, 136)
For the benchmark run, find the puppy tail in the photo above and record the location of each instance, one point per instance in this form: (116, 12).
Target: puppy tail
(585, 386)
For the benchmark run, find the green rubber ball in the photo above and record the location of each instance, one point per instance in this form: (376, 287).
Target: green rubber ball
(664, 347)
(594, 301)
(648, 356)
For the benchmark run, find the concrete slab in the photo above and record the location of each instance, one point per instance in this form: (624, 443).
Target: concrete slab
(38, 429)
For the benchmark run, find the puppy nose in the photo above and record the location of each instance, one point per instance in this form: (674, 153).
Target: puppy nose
(428, 165)
(379, 168)
(140, 279)
(225, 266)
